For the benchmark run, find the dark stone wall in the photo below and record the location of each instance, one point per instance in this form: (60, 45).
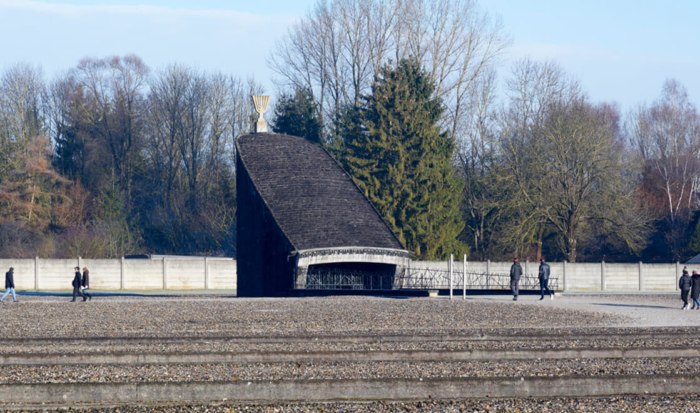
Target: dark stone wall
(264, 266)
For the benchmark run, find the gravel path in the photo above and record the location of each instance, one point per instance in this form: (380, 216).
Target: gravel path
(289, 316)
(647, 404)
(344, 370)
(315, 346)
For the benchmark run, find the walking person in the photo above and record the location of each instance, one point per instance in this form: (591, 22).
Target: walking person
(544, 279)
(9, 285)
(86, 283)
(685, 283)
(695, 290)
(516, 271)
(77, 282)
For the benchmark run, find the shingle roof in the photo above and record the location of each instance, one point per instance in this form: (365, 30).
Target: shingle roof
(314, 201)
(694, 260)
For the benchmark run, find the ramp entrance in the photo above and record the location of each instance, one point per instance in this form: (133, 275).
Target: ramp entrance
(351, 276)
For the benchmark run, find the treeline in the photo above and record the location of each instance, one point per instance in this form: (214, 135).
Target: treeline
(110, 159)
(542, 169)
(457, 152)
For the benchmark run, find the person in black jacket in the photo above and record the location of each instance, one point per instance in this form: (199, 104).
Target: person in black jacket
(9, 285)
(77, 283)
(86, 283)
(544, 279)
(695, 290)
(685, 283)
(516, 271)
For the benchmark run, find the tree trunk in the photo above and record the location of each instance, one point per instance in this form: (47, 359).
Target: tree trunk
(540, 234)
(571, 245)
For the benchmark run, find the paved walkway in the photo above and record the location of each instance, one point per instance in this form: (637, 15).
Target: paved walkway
(659, 310)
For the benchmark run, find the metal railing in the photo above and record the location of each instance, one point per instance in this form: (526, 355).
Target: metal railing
(339, 279)
(435, 279)
(418, 279)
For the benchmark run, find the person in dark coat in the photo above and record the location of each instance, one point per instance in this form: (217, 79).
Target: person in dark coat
(77, 283)
(516, 271)
(695, 290)
(86, 282)
(9, 285)
(684, 284)
(544, 279)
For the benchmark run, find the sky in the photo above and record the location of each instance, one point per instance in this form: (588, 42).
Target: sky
(621, 50)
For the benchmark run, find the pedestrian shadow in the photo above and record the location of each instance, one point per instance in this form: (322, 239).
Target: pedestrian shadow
(635, 305)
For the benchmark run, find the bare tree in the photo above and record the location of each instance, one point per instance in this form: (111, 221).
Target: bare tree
(666, 136)
(166, 112)
(568, 162)
(115, 85)
(480, 168)
(21, 89)
(533, 88)
(338, 48)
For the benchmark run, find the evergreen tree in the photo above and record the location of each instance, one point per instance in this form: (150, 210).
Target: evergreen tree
(397, 155)
(296, 114)
(693, 247)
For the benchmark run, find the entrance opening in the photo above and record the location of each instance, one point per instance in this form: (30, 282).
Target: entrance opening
(351, 276)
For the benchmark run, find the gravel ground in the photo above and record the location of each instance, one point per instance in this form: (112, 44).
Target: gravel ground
(315, 346)
(647, 403)
(161, 317)
(343, 370)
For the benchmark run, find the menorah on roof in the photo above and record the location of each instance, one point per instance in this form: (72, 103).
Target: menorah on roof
(261, 103)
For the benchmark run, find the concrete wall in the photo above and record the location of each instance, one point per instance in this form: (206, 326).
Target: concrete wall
(125, 274)
(24, 273)
(581, 276)
(221, 274)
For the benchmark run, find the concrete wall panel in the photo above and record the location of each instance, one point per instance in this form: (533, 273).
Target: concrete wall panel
(501, 267)
(439, 265)
(104, 274)
(57, 274)
(222, 274)
(185, 274)
(583, 276)
(24, 273)
(477, 267)
(659, 277)
(621, 277)
(143, 274)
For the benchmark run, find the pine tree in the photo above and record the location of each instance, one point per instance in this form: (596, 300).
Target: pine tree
(693, 247)
(400, 159)
(296, 114)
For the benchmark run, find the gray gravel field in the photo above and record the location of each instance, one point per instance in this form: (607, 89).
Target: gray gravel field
(316, 346)
(648, 403)
(188, 317)
(345, 370)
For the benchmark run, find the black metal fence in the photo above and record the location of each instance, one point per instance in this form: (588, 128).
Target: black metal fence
(344, 279)
(434, 279)
(417, 279)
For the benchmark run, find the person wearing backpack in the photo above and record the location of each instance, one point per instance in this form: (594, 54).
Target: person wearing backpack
(544, 279)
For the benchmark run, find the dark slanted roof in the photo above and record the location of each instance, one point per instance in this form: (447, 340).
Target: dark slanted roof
(315, 203)
(694, 260)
